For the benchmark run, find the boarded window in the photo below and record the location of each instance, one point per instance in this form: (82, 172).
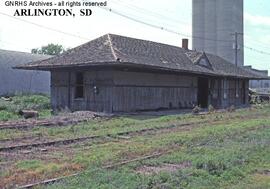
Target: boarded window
(79, 85)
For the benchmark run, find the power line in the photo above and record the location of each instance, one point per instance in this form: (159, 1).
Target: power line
(249, 57)
(147, 15)
(147, 11)
(14, 44)
(160, 27)
(45, 27)
(135, 20)
(120, 14)
(177, 33)
(256, 50)
(174, 32)
(142, 14)
(259, 43)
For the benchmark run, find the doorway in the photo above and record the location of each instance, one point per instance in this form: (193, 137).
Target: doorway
(202, 97)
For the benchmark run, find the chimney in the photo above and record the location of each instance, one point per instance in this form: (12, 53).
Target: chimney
(185, 44)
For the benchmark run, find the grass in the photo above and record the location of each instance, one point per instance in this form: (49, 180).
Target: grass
(225, 150)
(222, 156)
(9, 109)
(122, 124)
(29, 164)
(227, 160)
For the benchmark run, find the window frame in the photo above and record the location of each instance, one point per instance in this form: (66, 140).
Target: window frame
(79, 85)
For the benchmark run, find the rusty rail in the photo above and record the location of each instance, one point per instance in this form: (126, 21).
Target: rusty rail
(111, 166)
(82, 139)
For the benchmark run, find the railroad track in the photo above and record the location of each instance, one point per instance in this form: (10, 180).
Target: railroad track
(56, 121)
(26, 125)
(93, 137)
(111, 166)
(73, 118)
(50, 181)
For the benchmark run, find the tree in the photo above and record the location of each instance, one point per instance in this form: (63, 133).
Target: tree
(50, 49)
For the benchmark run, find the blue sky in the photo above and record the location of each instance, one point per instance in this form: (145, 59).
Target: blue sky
(257, 32)
(172, 14)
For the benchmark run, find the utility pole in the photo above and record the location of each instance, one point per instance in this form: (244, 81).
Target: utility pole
(235, 34)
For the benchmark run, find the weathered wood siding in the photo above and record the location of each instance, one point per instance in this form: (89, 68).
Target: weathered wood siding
(63, 91)
(96, 102)
(59, 90)
(227, 92)
(215, 92)
(120, 91)
(147, 91)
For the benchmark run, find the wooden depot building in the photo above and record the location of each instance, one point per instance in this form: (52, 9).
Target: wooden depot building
(120, 74)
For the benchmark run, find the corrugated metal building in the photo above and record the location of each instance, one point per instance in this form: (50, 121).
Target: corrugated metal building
(22, 81)
(259, 85)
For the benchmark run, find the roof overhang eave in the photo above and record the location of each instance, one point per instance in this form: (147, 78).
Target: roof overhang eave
(59, 66)
(129, 64)
(260, 78)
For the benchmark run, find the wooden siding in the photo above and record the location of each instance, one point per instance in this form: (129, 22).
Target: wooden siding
(148, 91)
(215, 92)
(123, 91)
(228, 92)
(152, 98)
(91, 101)
(153, 79)
(59, 90)
(63, 93)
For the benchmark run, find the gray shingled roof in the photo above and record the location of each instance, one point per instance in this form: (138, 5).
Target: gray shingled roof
(119, 50)
(12, 81)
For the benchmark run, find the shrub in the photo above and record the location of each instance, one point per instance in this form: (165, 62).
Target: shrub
(35, 102)
(5, 116)
(3, 106)
(10, 109)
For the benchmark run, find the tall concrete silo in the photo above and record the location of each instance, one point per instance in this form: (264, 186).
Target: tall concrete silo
(215, 24)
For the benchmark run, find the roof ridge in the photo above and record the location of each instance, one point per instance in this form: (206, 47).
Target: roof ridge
(146, 40)
(111, 46)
